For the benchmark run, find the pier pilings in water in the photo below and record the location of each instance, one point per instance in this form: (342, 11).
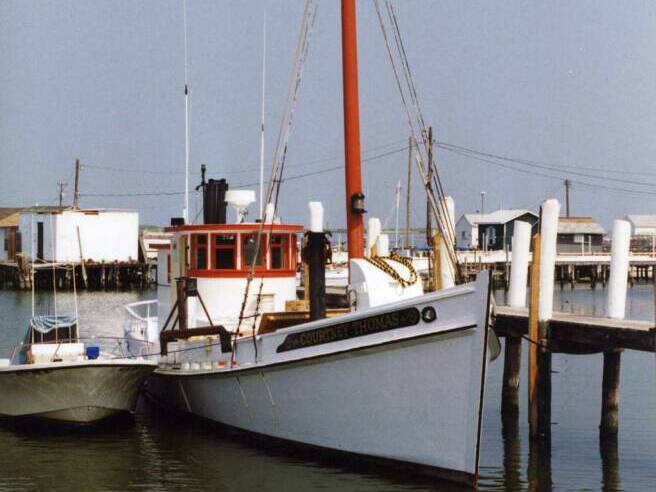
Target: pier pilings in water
(91, 275)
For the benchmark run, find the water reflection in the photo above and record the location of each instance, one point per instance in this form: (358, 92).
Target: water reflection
(610, 464)
(512, 451)
(539, 466)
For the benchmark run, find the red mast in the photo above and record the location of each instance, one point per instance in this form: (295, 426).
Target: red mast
(354, 196)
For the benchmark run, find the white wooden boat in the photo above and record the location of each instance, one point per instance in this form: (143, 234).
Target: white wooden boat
(399, 377)
(55, 375)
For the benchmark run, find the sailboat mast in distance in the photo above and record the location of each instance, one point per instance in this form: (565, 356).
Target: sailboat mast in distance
(185, 209)
(262, 198)
(354, 196)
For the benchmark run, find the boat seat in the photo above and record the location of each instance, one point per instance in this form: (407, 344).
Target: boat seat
(48, 352)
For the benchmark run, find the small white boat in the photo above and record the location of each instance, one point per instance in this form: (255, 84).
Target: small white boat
(55, 375)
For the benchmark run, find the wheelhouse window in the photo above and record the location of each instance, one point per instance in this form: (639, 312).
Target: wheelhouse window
(224, 251)
(199, 251)
(248, 253)
(279, 250)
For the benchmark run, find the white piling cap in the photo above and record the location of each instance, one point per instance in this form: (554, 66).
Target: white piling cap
(373, 231)
(269, 213)
(382, 245)
(316, 216)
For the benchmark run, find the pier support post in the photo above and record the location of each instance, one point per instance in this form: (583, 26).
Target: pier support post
(610, 394)
(540, 314)
(511, 370)
(533, 337)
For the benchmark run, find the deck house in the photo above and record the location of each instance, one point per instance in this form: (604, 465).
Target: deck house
(490, 232)
(579, 235)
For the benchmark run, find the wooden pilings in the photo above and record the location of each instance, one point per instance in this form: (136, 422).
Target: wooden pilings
(511, 372)
(99, 276)
(533, 337)
(610, 395)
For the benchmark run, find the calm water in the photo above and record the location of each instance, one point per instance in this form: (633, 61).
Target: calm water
(154, 452)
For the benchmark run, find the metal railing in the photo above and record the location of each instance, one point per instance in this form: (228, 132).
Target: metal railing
(109, 347)
(138, 317)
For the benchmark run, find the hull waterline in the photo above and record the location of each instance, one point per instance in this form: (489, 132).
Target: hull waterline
(411, 395)
(80, 393)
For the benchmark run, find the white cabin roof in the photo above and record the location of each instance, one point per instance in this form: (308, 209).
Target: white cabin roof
(579, 225)
(642, 220)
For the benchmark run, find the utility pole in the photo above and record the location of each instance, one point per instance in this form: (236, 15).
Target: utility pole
(429, 190)
(568, 185)
(76, 189)
(61, 193)
(407, 196)
(482, 202)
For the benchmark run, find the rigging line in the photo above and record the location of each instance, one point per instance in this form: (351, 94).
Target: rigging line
(543, 166)
(575, 181)
(241, 185)
(244, 171)
(544, 163)
(441, 212)
(309, 13)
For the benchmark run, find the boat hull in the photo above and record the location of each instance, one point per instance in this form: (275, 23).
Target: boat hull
(410, 396)
(81, 393)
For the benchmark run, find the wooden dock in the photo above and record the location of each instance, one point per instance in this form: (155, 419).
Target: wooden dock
(571, 334)
(87, 275)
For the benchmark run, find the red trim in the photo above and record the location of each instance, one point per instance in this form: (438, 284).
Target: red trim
(160, 246)
(240, 273)
(264, 253)
(254, 228)
(226, 247)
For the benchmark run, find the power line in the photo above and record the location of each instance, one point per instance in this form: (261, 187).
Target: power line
(240, 185)
(542, 165)
(536, 173)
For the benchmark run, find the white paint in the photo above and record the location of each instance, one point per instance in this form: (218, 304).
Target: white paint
(548, 235)
(619, 269)
(316, 216)
(223, 298)
(106, 235)
(270, 213)
(77, 391)
(382, 245)
(415, 402)
(370, 286)
(448, 272)
(373, 231)
(521, 246)
(240, 200)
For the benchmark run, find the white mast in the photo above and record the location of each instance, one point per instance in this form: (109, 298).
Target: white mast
(185, 209)
(262, 198)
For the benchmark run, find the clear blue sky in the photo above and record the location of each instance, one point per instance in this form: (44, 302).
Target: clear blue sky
(561, 82)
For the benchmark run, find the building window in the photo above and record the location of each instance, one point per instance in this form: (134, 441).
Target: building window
(168, 268)
(279, 247)
(248, 251)
(224, 251)
(6, 244)
(199, 251)
(579, 238)
(463, 234)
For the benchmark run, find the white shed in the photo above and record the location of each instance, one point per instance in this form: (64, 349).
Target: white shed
(467, 231)
(65, 234)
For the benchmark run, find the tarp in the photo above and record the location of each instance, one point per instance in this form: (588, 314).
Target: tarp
(47, 322)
